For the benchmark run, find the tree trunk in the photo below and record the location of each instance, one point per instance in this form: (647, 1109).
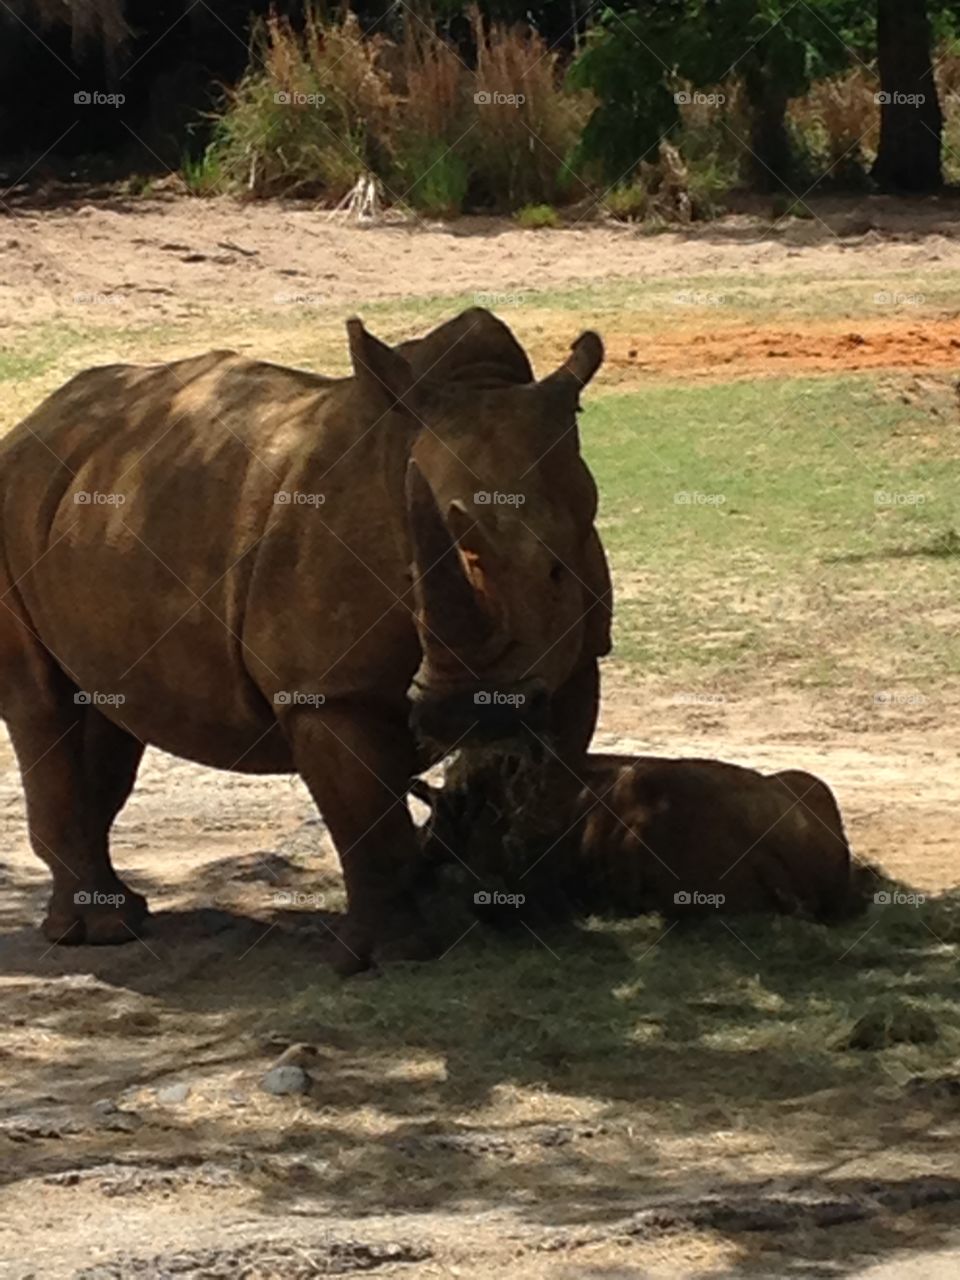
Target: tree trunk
(911, 122)
(771, 157)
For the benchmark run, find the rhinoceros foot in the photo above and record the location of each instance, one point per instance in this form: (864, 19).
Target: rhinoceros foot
(404, 938)
(95, 917)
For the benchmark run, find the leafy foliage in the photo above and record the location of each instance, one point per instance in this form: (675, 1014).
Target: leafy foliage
(621, 65)
(437, 177)
(635, 60)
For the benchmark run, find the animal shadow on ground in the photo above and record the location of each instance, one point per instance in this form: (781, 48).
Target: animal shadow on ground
(642, 1028)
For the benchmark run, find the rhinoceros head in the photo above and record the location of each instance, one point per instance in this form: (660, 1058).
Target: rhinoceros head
(501, 511)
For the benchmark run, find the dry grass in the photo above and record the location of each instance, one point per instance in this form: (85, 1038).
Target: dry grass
(321, 107)
(312, 113)
(839, 121)
(430, 73)
(525, 134)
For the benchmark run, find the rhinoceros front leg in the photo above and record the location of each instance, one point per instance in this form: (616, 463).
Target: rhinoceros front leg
(78, 770)
(357, 765)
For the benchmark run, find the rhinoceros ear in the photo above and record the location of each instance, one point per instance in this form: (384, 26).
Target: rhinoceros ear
(378, 369)
(585, 358)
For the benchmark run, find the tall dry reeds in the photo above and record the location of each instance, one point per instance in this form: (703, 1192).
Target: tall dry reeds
(322, 106)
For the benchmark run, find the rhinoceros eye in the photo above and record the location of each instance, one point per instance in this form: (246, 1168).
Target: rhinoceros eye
(557, 571)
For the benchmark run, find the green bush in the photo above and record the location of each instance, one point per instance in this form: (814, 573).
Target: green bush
(635, 107)
(629, 202)
(536, 217)
(434, 176)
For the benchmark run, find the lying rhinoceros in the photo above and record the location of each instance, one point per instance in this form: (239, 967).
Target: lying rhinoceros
(250, 566)
(635, 834)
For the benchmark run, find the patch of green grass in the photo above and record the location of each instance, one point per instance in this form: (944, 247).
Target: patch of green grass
(753, 517)
(16, 366)
(204, 175)
(671, 300)
(140, 184)
(32, 357)
(786, 206)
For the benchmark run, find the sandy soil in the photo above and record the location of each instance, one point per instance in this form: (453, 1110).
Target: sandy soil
(167, 259)
(101, 1166)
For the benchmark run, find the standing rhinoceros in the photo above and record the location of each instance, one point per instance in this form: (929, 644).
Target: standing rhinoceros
(261, 569)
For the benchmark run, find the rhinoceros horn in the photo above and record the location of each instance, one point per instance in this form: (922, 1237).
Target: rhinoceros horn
(449, 607)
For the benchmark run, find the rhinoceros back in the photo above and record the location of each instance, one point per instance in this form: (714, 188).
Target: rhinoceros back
(135, 503)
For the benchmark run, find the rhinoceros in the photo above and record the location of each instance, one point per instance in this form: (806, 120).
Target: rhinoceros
(261, 569)
(695, 837)
(633, 834)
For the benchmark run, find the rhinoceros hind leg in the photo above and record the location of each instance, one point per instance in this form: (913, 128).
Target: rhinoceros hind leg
(78, 770)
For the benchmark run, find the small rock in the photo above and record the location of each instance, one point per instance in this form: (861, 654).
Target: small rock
(469, 1141)
(855, 226)
(285, 1079)
(78, 982)
(105, 1107)
(173, 1094)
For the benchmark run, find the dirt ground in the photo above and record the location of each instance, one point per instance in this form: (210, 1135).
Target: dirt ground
(137, 1140)
(134, 1137)
(166, 261)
